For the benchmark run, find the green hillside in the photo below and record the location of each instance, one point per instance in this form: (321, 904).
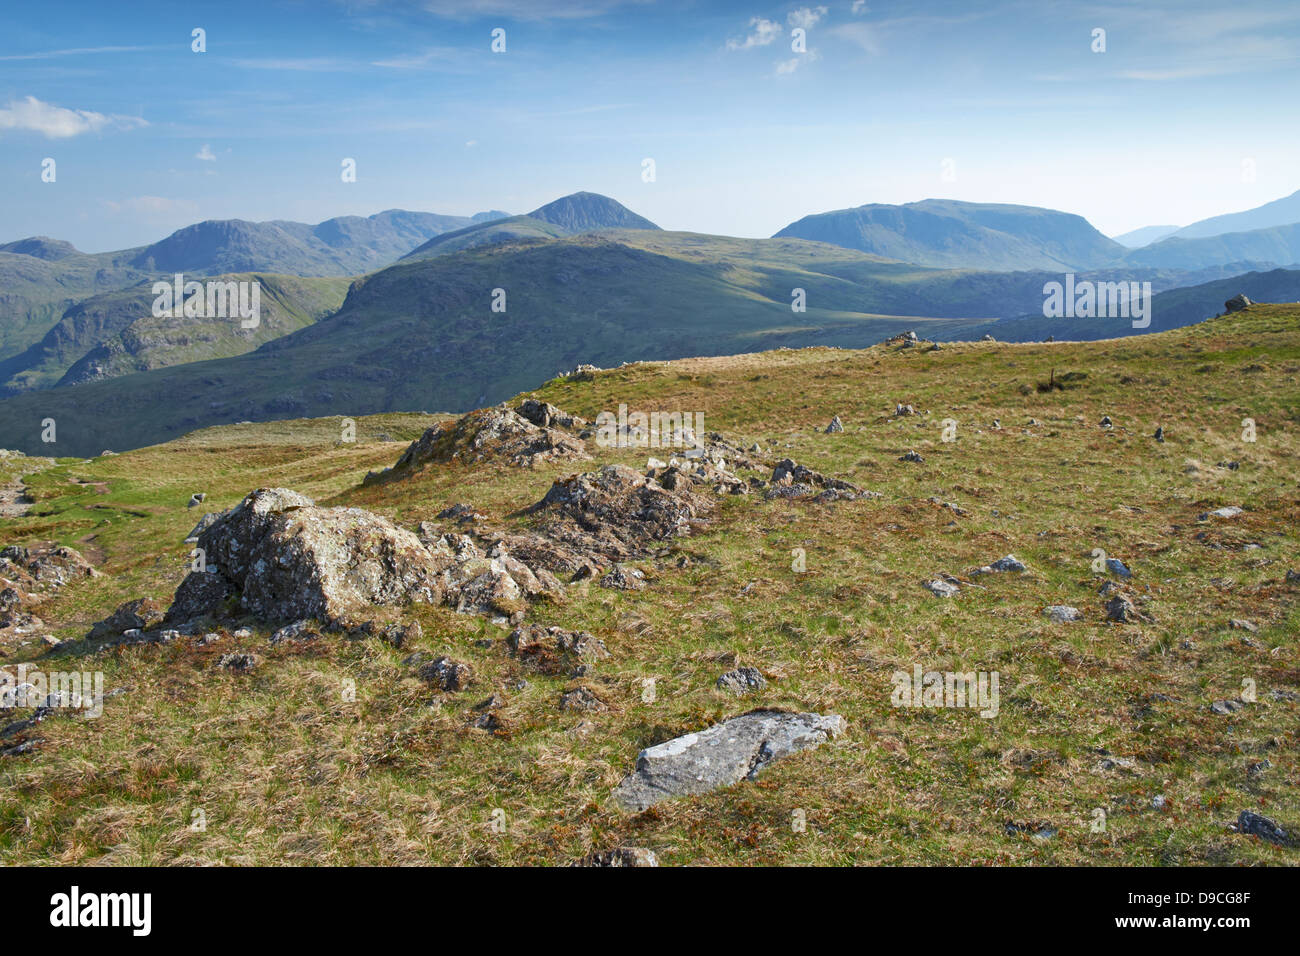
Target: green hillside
(1170, 309)
(422, 334)
(35, 290)
(115, 333)
(1276, 245)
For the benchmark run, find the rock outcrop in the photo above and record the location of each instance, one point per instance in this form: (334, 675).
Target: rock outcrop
(792, 480)
(491, 434)
(281, 558)
(29, 575)
(288, 560)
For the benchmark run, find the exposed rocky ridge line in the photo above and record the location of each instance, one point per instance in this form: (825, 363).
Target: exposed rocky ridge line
(281, 558)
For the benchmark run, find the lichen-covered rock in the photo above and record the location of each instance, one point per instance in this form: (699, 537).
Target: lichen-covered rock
(620, 856)
(726, 753)
(447, 674)
(200, 595)
(616, 511)
(486, 434)
(546, 415)
(46, 566)
(237, 662)
(553, 650)
(624, 577)
(140, 614)
(793, 480)
(681, 474)
(741, 681)
(288, 560)
(583, 699)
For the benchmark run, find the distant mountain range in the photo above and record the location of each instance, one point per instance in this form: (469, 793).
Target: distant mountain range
(40, 278)
(947, 234)
(585, 279)
(1279, 212)
(1144, 236)
(1171, 309)
(343, 246)
(421, 334)
(579, 212)
(1275, 246)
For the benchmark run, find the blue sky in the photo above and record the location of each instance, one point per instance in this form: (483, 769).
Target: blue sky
(1189, 112)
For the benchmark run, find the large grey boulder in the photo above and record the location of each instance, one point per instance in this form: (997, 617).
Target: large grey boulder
(726, 753)
(492, 433)
(288, 560)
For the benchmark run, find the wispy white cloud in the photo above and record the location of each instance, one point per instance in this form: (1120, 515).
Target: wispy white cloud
(433, 58)
(806, 17)
(786, 67)
(206, 154)
(57, 122)
(862, 35)
(762, 32)
(78, 51)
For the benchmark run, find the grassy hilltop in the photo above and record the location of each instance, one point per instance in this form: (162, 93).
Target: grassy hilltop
(285, 769)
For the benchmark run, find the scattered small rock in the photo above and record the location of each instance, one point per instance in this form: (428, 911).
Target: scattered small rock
(1119, 568)
(446, 674)
(1008, 563)
(943, 589)
(624, 578)
(582, 699)
(1062, 613)
(1231, 511)
(237, 662)
(622, 856)
(1251, 823)
(741, 681)
(1121, 610)
(297, 631)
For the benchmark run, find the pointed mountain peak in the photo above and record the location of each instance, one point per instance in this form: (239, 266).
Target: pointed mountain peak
(582, 211)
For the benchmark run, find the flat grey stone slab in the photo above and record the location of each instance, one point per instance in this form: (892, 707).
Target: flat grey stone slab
(726, 753)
